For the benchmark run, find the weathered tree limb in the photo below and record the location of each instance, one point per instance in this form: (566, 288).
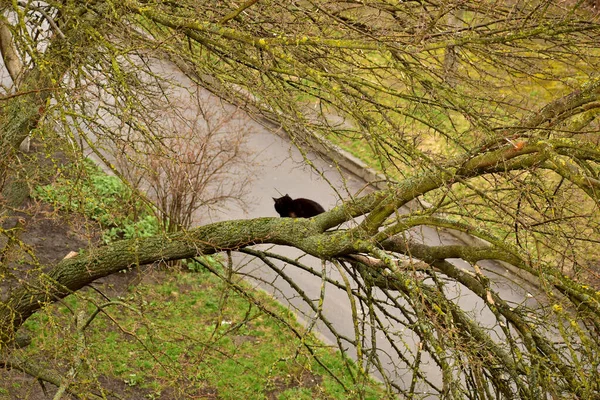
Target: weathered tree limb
(11, 59)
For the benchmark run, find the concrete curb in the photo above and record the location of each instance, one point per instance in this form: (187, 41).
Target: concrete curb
(349, 162)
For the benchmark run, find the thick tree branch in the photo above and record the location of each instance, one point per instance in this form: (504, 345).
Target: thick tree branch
(12, 61)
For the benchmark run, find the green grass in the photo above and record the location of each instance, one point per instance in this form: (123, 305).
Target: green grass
(87, 190)
(191, 332)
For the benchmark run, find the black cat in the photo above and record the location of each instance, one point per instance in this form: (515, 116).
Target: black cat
(297, 208)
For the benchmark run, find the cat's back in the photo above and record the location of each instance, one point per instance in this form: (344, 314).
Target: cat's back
(297, 208)
(307, 208)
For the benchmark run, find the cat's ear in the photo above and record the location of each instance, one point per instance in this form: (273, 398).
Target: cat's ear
(274, 199)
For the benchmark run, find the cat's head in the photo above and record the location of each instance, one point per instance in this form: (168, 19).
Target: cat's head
(282, 200)
(283, 204)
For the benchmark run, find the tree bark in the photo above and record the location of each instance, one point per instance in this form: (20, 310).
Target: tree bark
(12, 62)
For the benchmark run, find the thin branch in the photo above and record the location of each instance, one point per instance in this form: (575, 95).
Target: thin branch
(237, 11)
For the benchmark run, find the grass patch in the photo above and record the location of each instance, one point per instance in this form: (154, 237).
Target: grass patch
(188, 333)
(87, 190)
